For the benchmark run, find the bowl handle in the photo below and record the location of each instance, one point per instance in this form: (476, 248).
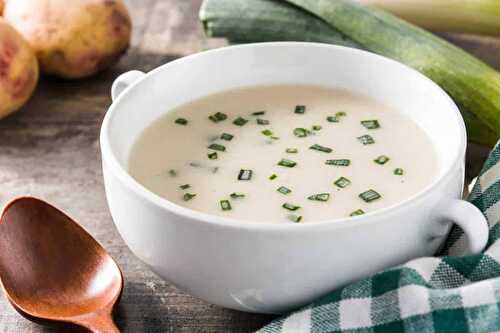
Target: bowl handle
(470, 219)
(123, 81)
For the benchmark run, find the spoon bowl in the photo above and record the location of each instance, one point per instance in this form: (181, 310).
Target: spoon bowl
(53, 271)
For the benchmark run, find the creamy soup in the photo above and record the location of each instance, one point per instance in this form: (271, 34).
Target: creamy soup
(284, 154)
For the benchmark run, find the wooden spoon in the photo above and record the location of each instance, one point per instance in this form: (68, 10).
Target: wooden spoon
(53, 272)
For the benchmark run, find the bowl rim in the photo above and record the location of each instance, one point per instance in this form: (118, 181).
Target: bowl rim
(138, 189)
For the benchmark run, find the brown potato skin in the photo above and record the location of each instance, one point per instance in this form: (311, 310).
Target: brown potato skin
(18, 70)
(72, 38)
(2, 4)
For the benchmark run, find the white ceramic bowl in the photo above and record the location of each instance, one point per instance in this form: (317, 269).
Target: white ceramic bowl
(274, 268)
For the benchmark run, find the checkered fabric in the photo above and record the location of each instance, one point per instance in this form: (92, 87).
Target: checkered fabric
(451, 293)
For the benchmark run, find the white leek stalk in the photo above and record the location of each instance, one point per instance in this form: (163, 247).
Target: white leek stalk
(480, 17)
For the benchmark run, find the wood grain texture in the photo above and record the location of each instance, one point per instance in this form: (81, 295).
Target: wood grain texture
(50, 150)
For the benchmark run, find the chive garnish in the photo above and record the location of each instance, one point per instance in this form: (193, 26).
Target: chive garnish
(212, 156)
(284, 190)
(332, 119)
(287, 163)
(292, 150)
(357, 212)
(172, 172)
(340, 114)
(258, 113)
(290, 207)
(188, 196)
(273, 176)
(370, 124)
(181, 121)
(237, 195)
(321, 148)
(300, 109)
(226, 136)
(366, 139)
(215, 169)
(316, 127)
(184, 187)
(399, 172)
(382, 159)
(319, 197)
(370, 196)
(240, 121)
(245, 174)
(195, 164)
(262, 121)
(342, 162)
(217, 117)
(267, 132)
(295, 218)
(216, 146)
(225, 205)
(342, 182)
(301, 132)
(275, 138)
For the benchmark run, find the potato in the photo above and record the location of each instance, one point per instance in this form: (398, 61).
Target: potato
(72, 38)
(1, 6)
(18, 70)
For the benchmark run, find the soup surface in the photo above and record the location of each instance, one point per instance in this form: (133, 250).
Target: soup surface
(284, 154)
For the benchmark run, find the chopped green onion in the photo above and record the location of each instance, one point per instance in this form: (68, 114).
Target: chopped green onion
(262, 121)
(188, 196)
(399, 172)
(284, 190)
(332, 119)
(216, 146)
(245, 174)
(172, 172)
(342, 162)
(237, 195)
(181, 121)
(212, 156)
(225, 205)
(226, 136)
(321, 148)
(295, 218)
(357, 212)
(292, 150)
(273, 176)
(342, 182)
(366, 139)
(300, 109)
(340, 114)
(382, 159)
(370, 196)
(287, 163)
(370, 124)
(258, 113)
(275, 138)
(240, 121)
(184, 187)
(319, 197)
(267, 132)
(217, 117)
(290, 207)
(316, 127)
(195, 164)
(300, 132)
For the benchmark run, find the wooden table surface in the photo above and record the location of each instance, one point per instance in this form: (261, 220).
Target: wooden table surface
(51, 150)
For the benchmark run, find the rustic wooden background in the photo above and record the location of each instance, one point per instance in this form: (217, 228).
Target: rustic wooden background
(51, 150)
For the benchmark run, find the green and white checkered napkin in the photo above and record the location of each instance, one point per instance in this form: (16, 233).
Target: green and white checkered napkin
(446, 294)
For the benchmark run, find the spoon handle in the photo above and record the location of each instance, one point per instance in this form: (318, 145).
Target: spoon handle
(102, 323)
